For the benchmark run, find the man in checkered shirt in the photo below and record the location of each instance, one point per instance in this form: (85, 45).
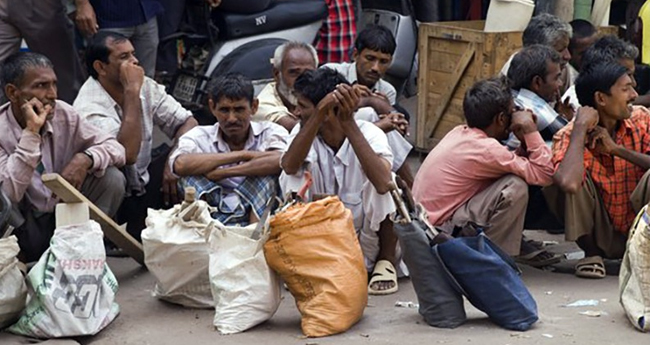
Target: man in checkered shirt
(336, 36)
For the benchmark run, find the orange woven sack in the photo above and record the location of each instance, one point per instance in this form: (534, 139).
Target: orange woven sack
(315, 250)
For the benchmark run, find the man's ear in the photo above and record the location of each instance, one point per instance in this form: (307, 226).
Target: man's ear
(276, 74)
(255, 105)
(211, 105)
(355, 54)
(99, 67)
(536, 83)
(600, 98)
(11, 91)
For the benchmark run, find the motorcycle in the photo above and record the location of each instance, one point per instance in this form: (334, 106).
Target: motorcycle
(216, 42)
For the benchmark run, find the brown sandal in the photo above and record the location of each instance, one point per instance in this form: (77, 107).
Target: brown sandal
(592, 267)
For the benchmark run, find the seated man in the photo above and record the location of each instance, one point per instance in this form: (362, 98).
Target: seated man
(584, 36)
(234, 163)
(121, 101)
(349, 158)
(469, 177)
(535, 78)
(277, 101)
(373, 53)
(44, 135)
(601, 166)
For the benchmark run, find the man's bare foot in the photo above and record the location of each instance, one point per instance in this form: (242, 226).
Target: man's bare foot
(383, 280)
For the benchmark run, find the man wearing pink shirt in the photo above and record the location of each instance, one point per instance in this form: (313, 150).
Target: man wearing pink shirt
(471, 177)
(41, 134)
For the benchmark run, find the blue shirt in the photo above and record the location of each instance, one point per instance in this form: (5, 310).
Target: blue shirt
(124, 13)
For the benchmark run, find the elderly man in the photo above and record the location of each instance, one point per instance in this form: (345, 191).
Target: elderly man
(549, 30)
(121, 101)
(602, 166)
(277, 101)
(469, 177)
(44, 135)
(234, 163)
(535, 77)
(349, 158)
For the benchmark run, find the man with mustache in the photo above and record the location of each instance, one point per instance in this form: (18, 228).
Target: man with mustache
(233, 164)
(602, 166)
(277, 101)
(121, 101)
(45, 135)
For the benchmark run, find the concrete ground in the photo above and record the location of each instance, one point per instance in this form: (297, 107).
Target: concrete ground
(146, 320)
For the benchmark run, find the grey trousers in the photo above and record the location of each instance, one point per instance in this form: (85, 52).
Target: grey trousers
(144, 38)
(44, 26)
(501, 209)
(583, 214)
(37, 228)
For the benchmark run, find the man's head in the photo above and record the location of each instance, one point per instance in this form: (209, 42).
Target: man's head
(549, 30)
(537, 68)
(373, 53)
(613, 50)
(290, 60)
(105, 53)
(488, 105)
(584, 36)
(232, 102)
(608, 88)
(27, 75)
(312, 86)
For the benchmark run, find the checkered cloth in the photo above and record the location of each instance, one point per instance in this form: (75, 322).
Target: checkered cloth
(336, 35)
(253, 193)
(548, 120)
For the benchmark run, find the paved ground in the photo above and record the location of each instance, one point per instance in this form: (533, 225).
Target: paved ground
(145, 320)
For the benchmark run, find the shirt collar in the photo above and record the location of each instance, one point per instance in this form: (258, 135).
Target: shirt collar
(47, 128)
(105, 101)
(527, 95)
(256, 128)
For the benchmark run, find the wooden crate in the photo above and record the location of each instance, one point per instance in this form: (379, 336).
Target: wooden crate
(453, 56)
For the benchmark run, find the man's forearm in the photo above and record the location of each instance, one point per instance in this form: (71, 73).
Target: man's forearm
(376, 168)
(295, 156)
(639, 159)
(130, 133)
(571, 170)
(189, 124)
(193, 164)
(263, 165)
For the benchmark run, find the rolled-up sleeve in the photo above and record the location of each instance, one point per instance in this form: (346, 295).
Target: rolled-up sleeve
(168, 114)
(275, 138)
(536, 169)
(17, 169)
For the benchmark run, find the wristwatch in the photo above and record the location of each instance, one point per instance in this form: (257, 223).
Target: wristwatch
(92, 160)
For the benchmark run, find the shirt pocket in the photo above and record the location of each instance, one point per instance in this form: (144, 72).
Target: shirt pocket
(354, 203)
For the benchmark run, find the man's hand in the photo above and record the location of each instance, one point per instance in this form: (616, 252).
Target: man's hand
(393, 121)
(85, 18)
(35, 114)
(362, 90)
(213, 3)
(347, 100)
(600, 141)
(76, 170)
(131, 76)
(214, 175)
(565, 108)
(586, 118)
(522, 123)
(169, 187)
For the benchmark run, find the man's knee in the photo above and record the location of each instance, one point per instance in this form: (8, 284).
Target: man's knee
(108, 191)
(515, 189)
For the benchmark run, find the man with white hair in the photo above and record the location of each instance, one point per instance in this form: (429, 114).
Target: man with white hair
(277, 101)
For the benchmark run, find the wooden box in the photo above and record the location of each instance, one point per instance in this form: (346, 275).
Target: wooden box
(453, 56)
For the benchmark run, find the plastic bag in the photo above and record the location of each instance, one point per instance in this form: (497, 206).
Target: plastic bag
(634, 277)
(246, 291)
(13, 291)
(176, 253)
(72, 290)
(315, 250)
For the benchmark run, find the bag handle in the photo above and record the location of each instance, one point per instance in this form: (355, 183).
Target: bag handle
(402, 209)
(259, 229)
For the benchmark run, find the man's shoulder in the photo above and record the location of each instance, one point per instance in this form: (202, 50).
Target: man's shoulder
(93, 99)
(268, 128)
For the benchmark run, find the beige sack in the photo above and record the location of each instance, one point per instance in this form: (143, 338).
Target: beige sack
(634, 277)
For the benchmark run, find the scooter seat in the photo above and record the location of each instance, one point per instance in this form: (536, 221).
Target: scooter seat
(281, 15)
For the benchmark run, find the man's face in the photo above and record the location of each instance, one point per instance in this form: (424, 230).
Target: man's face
(296, 61)
(549, 85)
(304, 108)
(120, 52)
(579, 48)
(631, 68)
(234, 116)
(562, 47)
(39, 82)
(371, 66)
(618, 105)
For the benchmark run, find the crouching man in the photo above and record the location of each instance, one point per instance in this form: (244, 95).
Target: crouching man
(347, 158)
(233, 164)
(43, 135)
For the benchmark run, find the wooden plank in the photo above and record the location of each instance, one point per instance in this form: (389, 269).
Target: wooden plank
(463, 63)
(118, 235)
(423, 65)
(443, 62)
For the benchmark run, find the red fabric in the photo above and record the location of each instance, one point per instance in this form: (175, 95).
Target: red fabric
(338, 32)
